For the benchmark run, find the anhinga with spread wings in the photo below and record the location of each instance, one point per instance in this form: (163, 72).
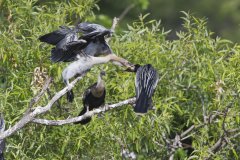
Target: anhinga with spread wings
(2, 142)
(68, 44)
(81, 51)
(93, 97)
(145, 83)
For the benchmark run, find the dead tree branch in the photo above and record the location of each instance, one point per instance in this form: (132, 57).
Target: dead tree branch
(28, 117)
(114, 25)
(86, 115)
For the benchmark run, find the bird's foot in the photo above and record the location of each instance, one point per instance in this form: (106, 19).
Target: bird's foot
(82, 40)
(152, 108)
(87, 109)
(70, 86)
(100, 115)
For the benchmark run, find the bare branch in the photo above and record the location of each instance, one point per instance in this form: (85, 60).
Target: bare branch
(217, 145)
(188, 131)
(114, 25)
(86, 115)
(38, 110)
(204, 113)
(125, 12)
(235, 135)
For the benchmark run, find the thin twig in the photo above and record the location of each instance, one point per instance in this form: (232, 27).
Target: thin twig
(126, 10)
(114, 25)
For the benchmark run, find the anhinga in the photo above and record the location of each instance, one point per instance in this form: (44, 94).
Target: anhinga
(93, 97)
(84, 64)
(2, 142)
(68, 45)
(81, 51)
(145, 83)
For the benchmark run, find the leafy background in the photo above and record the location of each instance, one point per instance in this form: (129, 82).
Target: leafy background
(195, 69)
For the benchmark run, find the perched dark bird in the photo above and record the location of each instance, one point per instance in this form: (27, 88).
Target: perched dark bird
(82, 51)
(84, 64)
(93, 97)
(145, 83)
(2, 142)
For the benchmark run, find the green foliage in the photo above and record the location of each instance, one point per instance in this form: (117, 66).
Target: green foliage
(223, 15)
(196, 70)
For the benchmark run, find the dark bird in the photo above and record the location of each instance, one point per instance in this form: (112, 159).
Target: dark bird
(68, 45)
(145, 83)
(93, 97)
(2, 142)
(81, 51)
(84, 64)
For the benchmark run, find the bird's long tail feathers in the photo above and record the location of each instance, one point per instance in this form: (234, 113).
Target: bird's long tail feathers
(70, 96)
(84, 121)
(143, 103)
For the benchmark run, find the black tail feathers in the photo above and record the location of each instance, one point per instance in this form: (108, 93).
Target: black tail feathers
(84, 121)
(143, 103)
(70, 96)
(1, 156)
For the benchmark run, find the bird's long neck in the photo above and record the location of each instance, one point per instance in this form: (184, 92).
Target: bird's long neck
(100, 60)
(98, 90)
(100, 82)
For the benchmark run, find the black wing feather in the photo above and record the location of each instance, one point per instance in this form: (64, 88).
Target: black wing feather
(56, 36)
(87, 27)
(69, 54)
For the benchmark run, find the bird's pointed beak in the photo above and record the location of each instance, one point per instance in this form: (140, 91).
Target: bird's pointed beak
(130, 69)
(121, 61)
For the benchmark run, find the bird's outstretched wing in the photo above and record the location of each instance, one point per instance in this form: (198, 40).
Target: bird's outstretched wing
(58, 55)
(56, 36)
(87, 27)
(68, 45)
(68, 52)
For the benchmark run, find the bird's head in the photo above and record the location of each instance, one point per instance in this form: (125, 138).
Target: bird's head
(102, 73)
(134, 68)
(111, 32)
